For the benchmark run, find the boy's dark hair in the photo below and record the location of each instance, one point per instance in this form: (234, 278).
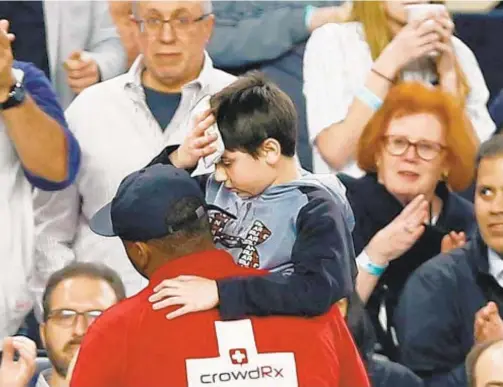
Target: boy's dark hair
(253, 109)
(91, 270)
(490, 148)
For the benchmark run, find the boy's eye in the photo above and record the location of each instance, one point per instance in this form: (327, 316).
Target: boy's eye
(485, 192)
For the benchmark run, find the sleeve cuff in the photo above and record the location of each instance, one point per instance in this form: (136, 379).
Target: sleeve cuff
(232, 303)
(73, 161)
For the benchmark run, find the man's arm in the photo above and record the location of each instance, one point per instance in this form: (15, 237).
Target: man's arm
(257, 34)
(428, 326)
(323, 258)
(48, 151)
(105, 45)
(56, 216)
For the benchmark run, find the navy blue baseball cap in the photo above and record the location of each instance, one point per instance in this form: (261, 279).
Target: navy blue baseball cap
(144, 198)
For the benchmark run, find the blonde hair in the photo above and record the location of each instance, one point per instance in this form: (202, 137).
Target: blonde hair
(372, 15)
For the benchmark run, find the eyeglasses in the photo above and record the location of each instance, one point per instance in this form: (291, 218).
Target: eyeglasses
(398, 145)
(154, 25)
(68, 317)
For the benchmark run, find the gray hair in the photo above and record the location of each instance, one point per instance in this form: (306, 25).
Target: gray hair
(206, 5)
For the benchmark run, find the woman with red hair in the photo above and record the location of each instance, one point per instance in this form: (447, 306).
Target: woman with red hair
(416, 150)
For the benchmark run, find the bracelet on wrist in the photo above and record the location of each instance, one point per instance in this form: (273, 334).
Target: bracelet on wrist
(369, 98)
(364, 261)
(381, 75)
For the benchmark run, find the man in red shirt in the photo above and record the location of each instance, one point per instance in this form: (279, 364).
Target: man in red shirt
(160, 215)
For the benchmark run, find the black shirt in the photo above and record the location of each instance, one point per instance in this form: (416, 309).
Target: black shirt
(27, 22)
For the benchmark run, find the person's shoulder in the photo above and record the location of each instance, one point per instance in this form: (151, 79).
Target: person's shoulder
(322, 204)
(220, 79)
(315, 195)
(465, 55)
(331, 32)
(461, 48)
(117, 317)
(99, 96)
(446, 267)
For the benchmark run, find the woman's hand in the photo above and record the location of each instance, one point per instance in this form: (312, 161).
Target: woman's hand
(446, 60)
(414, 41)
(397, 237)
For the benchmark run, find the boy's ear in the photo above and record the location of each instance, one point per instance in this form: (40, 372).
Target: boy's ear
(271, 151)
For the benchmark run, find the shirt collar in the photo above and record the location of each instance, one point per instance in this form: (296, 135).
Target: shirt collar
(202, 81)
(43, 378)
(495, 265)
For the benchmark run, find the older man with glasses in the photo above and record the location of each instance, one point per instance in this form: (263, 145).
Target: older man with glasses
(75, 296)
(125, 122)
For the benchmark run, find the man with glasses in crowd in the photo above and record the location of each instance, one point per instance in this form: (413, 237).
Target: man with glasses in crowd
(125, 122)
(75, 296)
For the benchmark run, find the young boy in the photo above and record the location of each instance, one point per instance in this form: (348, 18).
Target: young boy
(269, 214)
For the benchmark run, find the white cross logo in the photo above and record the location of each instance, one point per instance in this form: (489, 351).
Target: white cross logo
(238, 356)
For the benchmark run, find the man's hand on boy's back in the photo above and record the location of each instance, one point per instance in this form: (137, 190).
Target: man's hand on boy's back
(197, 144)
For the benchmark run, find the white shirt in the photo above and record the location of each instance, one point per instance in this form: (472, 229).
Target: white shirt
(337, 61)
(43, 378)
(16, 238)
(118, 135)
(496, 266)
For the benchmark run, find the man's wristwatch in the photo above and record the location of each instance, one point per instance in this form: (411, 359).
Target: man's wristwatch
(17, 92)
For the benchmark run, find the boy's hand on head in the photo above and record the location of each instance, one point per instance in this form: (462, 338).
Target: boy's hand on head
(197, 144)
(193, 293)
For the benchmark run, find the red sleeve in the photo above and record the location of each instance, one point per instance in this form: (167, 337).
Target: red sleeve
(99, 360)
(352, 370)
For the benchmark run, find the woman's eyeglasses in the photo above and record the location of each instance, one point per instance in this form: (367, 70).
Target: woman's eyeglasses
(398, 145)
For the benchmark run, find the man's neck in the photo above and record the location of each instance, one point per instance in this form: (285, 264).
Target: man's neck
(162, 258)
(288, 171)
(56, 380)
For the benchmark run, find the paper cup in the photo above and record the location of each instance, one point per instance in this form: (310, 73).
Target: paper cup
(421, 11)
